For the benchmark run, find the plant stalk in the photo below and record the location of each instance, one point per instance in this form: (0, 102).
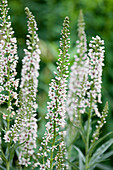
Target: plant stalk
(87, 137)
(8, 165)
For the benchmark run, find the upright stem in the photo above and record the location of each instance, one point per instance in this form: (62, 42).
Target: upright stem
(51, 161)
(54, 127)
(8, 125)
(51, 158)
(8, 166)
(87, 137)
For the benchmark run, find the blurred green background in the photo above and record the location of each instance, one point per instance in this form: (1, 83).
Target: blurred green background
(98, 15)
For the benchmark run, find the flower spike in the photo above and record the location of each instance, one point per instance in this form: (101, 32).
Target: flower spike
(76, 101)
(8, 62)
(25, 128)
(52, 148)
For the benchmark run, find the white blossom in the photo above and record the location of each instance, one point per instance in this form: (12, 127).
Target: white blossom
(24, 129)
(56, 108)
(96, 57)
(8, 61)
(76, 100)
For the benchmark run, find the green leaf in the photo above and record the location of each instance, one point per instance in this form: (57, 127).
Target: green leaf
(3, 156)
(71, 164)
(81, 158)
(80, 152)
(17, 152)
(11, 155)
(86, 125)
(2, 168)
(81, 132)
(102, 159)
(92, 147)
(106, 155)
(13, 149)
(104, 167)
(81, 164)
(97, 156)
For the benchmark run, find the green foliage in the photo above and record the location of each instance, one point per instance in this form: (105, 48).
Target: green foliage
(81, 158)
(92, 147)
(99, 155)
(98, 16)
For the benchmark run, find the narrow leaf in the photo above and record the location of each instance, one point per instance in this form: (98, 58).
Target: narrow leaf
(107, 155)
(92, 147)
(71, 164)
(2, 168)
(80, 152)
(102, 158)
(104, 167)
(3, 156)
(81, 132)
(98, 153)
(13, 148)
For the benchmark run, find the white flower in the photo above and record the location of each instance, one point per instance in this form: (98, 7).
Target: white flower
(14, 95)
(4, 116)
(25, 127)
(56, 105)
(12, 113)
(48, 163)
(8, 58)
(7, 136)
(76, 99)
(96, 57)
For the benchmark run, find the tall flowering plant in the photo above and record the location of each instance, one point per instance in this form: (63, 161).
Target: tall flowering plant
(8, 83)
(8, 62)
(76, 100)
(52, 150)
(83, 97)
(18, 124)
(24, 131)
(25, 127)
(79, 72)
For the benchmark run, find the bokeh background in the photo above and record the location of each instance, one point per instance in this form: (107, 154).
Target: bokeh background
(98, 15)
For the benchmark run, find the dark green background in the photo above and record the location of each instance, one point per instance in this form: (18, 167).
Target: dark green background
(98, 15)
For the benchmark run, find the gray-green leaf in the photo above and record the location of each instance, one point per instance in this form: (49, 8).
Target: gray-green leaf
(97, 156)
(81, 158)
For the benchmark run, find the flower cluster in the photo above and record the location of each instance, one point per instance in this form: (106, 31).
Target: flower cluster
(85, 78)
(25, 128)
(8, 62)
(100, 122)
(96, 57)
(52, 148)
(85, 88)
(29, 83)
(76, 101)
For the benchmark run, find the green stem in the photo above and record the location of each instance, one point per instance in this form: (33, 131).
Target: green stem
(8, 165)
(82, 129)
(51, 158)
(87, 137)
